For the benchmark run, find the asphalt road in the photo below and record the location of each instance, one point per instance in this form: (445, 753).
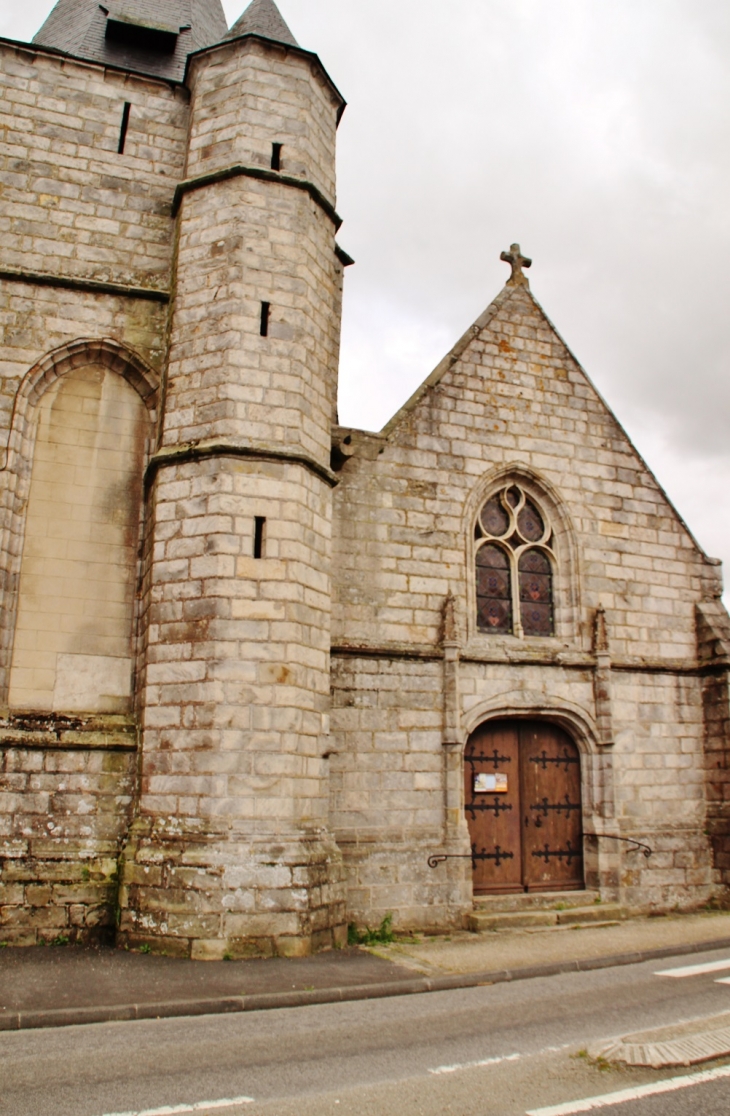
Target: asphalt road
(505, 1049)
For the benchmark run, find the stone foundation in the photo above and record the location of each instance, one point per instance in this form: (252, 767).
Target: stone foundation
(66, 795)
(189, 891)
(393, 878)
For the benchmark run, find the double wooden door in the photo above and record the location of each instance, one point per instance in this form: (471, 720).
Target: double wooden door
(523, 807)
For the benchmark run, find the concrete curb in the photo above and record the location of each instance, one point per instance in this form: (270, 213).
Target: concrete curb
(269, 1001)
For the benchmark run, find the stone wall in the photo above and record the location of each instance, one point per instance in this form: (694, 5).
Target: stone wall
(713, 640)
(67, 788)
(511, 404)
(84, 285)
(73, 205)
(246, 579)
(388, 772)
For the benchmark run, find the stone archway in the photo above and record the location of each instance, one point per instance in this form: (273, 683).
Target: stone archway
(82, 429)
(523, 806)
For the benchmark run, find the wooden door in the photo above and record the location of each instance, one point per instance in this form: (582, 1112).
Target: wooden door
(552, 814)
(523, 808)
(492, 759)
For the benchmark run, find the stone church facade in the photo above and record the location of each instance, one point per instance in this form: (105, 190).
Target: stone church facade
(263, 675)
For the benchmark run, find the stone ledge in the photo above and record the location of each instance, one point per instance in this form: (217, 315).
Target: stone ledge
(94, 286)
(200, 451)
(59, 732)
(238, 170)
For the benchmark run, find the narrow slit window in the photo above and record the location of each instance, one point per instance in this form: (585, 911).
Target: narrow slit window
(125, 125)
(259, 536)
(276, 156)
(265, 313)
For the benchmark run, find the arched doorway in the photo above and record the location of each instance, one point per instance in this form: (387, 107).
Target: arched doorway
(524, 808)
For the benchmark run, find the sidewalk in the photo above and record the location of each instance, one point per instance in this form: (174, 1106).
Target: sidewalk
(469, 953)
(62, 986)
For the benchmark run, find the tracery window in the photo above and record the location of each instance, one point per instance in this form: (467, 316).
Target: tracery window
(515, 561)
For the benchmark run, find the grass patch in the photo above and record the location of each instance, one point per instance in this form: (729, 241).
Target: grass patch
(600, 1063)
(383, 935)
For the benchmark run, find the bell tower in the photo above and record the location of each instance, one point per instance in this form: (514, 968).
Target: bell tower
(230, 852)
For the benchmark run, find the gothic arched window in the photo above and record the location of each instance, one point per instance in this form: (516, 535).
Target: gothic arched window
(514, 565)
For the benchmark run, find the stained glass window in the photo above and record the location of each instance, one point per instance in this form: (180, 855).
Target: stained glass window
(514, 566)
(494, 589)
(536, 593)
(530, 522)
(494, 518)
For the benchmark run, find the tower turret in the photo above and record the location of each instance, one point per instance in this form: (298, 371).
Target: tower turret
(230, 850)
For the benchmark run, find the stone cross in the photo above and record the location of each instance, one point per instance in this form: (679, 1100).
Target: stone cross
(518, 261)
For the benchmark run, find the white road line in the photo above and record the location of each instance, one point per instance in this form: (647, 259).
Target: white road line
(474, 1065)
(669, 1085)
(695, 970)
(498, 1060)
(723, 980)
(178, 1109)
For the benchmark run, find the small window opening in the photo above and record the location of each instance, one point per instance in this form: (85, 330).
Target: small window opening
(124, 127)
(265, 311)
(276, 156)
(259, 533)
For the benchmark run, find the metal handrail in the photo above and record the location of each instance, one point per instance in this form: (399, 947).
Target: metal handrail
(440, 858)
(646, 849)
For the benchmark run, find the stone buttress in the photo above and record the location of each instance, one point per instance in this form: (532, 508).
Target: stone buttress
(230, 851)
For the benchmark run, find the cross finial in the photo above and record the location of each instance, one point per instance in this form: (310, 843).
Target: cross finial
(518, 261)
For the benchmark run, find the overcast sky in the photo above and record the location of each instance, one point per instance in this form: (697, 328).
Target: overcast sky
(594, 132)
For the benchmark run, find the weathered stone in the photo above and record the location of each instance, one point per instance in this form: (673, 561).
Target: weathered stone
(235, 705)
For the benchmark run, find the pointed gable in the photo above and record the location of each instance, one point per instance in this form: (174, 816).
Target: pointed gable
(263, 18)
(511, 401)
(531, 390)
(145, 36)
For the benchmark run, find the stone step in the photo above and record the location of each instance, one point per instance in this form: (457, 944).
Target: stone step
(534, 900)
(602, 914)
(599, 912)
(480, 921)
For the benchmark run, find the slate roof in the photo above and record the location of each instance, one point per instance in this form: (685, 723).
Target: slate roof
(79, 27)
(262, 17)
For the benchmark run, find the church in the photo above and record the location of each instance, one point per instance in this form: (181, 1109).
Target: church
(264, 676)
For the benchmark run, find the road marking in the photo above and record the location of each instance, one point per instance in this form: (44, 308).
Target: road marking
(474, 1065)
(498, 1060)
(695, 970)
(669, 1085)
(178, 1109)
(723, 980)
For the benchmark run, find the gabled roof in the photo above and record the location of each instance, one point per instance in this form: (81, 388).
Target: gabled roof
(262, 17)
(145, 36)
(520, 291)
(449, 361)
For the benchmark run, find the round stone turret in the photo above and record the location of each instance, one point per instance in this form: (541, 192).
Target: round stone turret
(230, 852)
